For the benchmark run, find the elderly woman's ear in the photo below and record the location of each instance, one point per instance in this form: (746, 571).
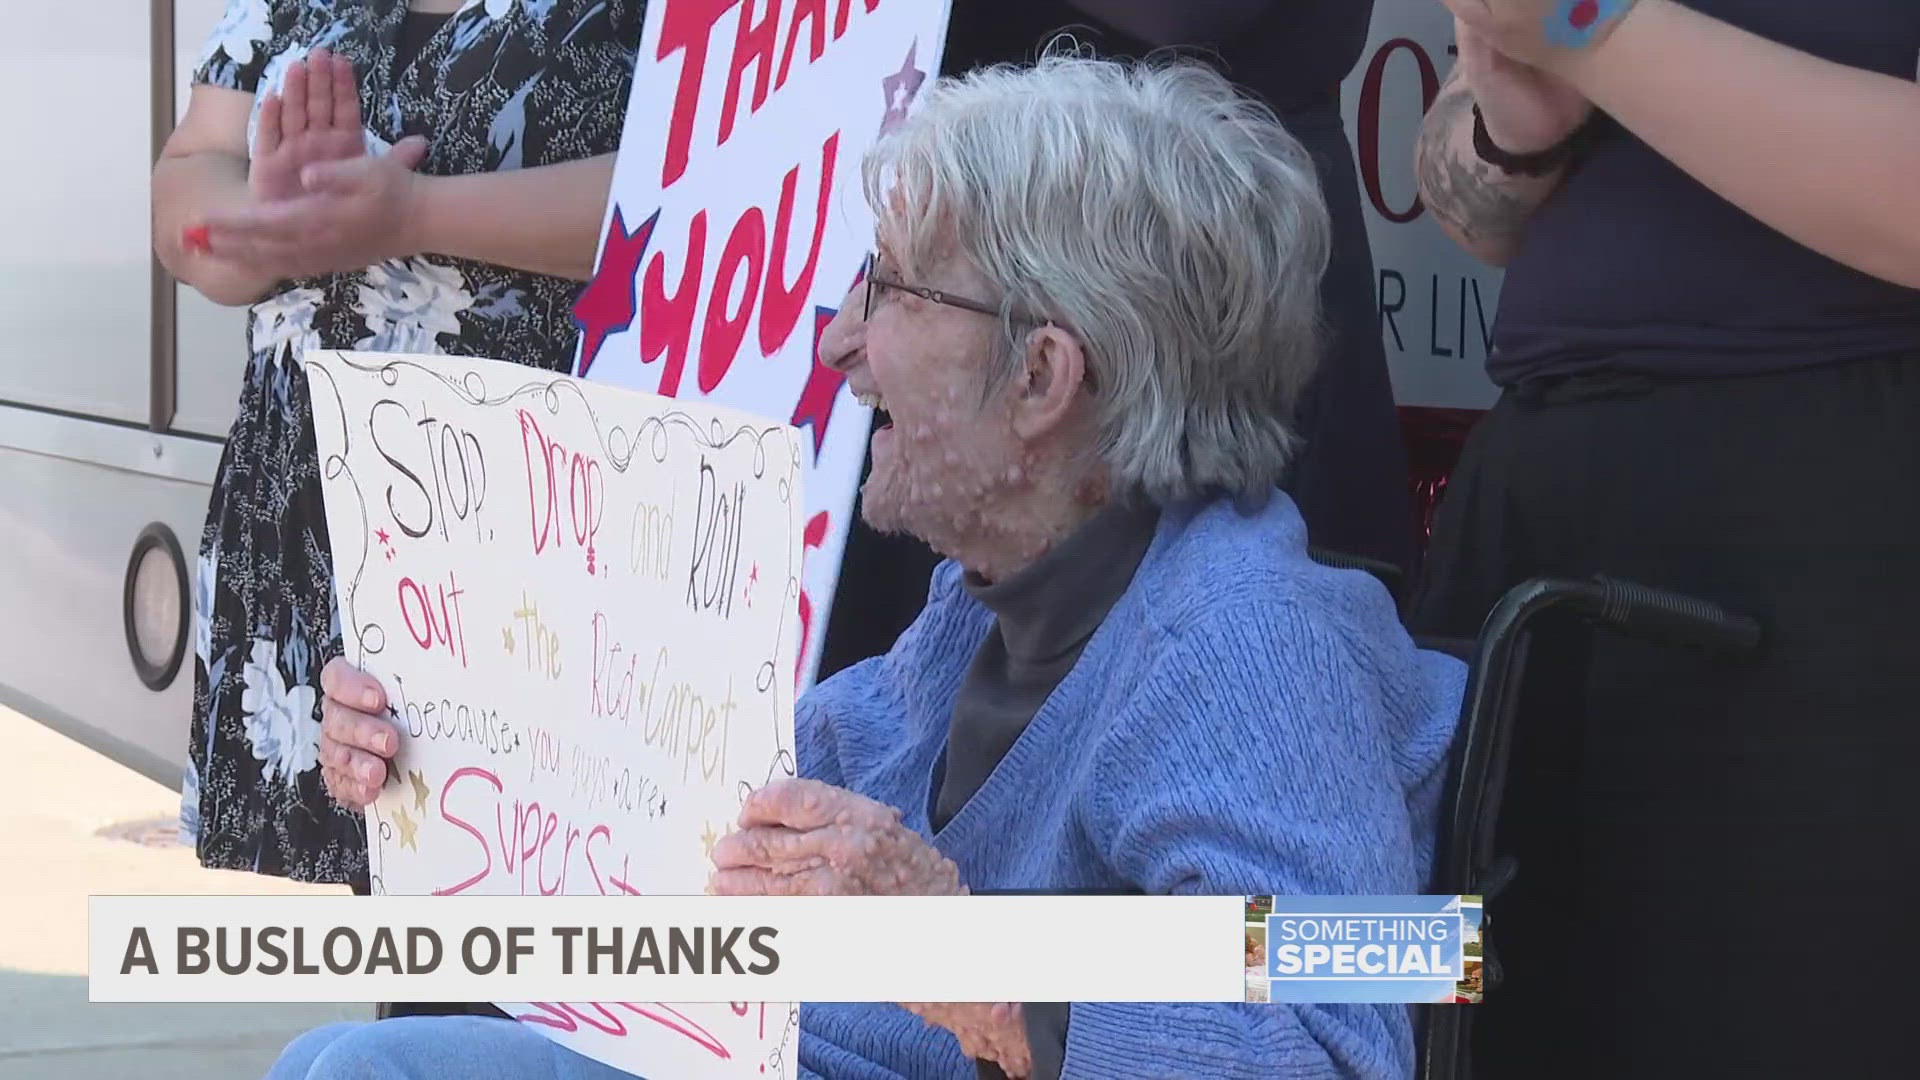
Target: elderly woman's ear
(1052, 383)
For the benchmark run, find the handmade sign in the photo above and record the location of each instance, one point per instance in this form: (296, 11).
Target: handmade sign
(737, 224)
(581, 602)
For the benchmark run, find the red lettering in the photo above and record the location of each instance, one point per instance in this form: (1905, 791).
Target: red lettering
(721, 335)
(752, 45)
(780, 308)
(666, 321)
(509, 846)
(613, 1026)
(815, 12)
(422, 635)
(814, 536)
(840, 16)
(1367, 123)
(525, 846)
(529, 840)
(448, 628)
(687, 27)
(550, 1015)
(540, 524)
(683, 1025)
(566, 858)
(598, 830)
(621, 881)
(564, 1016)
(458, 775)
(585, 487)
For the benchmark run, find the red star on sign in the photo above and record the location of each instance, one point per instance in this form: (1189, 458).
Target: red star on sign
(606, 306)
(822, 391)
(817, 398)
(381, 535)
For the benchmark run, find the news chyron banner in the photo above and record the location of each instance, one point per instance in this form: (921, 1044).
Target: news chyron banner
(1437, 303)
(635, 953)
(737, 225)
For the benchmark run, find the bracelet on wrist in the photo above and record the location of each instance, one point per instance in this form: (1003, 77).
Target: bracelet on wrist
(1538, 163)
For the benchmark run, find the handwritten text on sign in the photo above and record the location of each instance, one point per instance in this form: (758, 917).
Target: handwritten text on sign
(737, 224)
(581, 601)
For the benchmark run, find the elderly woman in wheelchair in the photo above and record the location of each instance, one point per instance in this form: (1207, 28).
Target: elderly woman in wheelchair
(1091, 313)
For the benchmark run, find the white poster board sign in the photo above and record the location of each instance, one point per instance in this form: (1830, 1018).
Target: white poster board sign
(581, 602)
(1437, 303)
(737, 225)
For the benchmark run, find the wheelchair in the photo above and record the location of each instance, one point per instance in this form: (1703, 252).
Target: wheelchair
(1467, 861)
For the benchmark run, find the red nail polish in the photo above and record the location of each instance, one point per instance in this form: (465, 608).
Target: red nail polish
(195, 238)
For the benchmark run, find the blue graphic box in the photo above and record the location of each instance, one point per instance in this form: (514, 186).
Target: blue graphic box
(1366, 949)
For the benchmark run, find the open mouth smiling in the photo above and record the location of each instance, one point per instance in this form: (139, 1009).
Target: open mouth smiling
(873, 400)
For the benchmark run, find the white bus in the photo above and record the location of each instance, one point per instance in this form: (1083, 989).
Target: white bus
(117, 385)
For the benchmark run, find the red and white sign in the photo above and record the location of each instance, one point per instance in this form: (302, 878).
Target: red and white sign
(737, 224)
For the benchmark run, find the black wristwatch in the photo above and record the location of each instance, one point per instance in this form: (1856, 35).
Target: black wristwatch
(1539, 163)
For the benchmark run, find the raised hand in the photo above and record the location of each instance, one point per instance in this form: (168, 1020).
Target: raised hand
(1543, 33)
(315, 117)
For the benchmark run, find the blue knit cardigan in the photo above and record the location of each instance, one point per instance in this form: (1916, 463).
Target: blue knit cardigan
(1244, 722)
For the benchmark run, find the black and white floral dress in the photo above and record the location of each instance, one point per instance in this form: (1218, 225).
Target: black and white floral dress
(500, 84)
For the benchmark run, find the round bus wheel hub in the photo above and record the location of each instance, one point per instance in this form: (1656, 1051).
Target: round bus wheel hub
(156, 607)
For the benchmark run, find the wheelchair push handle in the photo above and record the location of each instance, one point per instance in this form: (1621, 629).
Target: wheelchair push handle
(1671, 618)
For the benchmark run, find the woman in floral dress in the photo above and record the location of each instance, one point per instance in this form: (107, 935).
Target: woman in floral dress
(377, 176)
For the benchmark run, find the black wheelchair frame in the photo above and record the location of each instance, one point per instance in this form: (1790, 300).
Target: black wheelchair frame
(1467, 861)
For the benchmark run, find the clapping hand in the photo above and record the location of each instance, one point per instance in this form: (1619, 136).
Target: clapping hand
(314, 117)
(321, 204)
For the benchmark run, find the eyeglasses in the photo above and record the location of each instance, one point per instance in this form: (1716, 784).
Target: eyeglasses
(878, 280)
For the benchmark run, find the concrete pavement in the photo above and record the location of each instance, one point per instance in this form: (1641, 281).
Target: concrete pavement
(57, 801)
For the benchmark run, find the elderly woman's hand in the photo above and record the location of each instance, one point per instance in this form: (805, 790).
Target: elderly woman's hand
(987, 1031)
(806, 838)
(1544, 33)
(356, 740)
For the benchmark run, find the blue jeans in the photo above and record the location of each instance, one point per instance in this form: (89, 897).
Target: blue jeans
(434, 1048)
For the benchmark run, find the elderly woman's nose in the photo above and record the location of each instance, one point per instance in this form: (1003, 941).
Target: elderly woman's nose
(846, 336)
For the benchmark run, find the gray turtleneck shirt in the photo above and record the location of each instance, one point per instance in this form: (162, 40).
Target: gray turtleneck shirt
(1045, 615)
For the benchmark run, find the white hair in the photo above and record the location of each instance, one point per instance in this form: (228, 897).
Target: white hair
(1165, 220)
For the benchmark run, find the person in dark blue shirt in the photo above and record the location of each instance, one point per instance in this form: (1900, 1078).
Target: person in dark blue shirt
(1709, 352)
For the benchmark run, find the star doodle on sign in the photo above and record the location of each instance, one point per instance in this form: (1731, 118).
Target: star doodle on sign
(607, 305)
(903, 85)
(420, 791)
(407, 826)
(381, 535)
